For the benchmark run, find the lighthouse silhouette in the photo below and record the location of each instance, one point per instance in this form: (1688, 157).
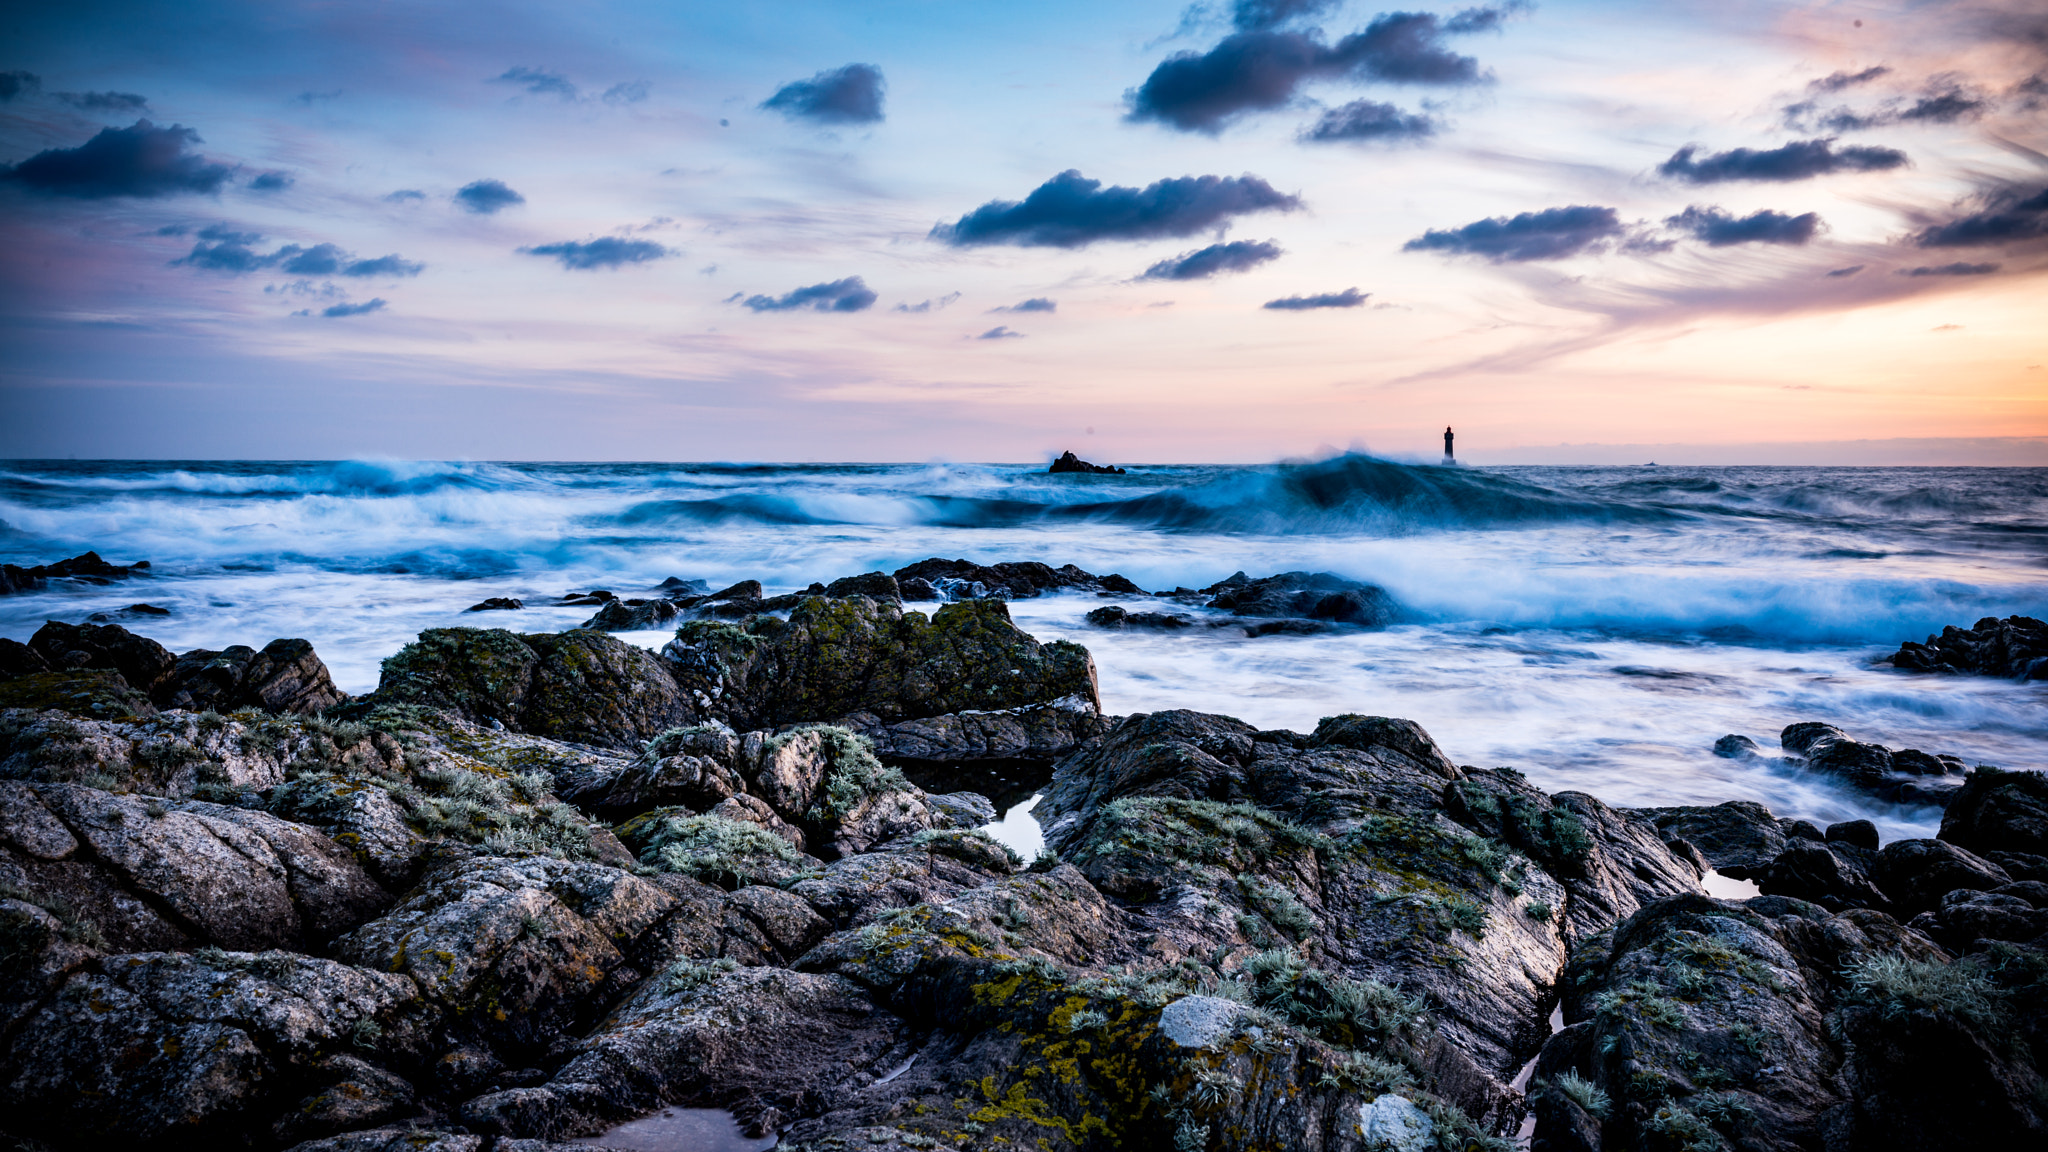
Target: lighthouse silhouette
(1449, 456)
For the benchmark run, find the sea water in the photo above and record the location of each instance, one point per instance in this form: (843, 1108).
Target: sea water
(1597, 628)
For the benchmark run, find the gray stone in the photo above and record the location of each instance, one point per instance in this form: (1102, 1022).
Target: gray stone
(1199, 1021)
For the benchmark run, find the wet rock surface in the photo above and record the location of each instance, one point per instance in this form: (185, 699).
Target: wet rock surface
(2015, 647)
(87, 568)
(1304, 596)
(539, 885)
(1901, 776)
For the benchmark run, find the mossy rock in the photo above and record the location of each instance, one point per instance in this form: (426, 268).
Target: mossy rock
(95, 694)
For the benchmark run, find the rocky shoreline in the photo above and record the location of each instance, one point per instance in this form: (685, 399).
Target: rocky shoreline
(537, 885)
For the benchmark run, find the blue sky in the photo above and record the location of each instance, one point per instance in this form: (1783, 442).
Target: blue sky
(809, 230)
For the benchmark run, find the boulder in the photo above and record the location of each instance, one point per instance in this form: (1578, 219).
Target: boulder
(1019, 580)
(1739, 838)
(497, 604)
(834, 657)
(204, 1050)
(1304, 596)
(1116, 617)
(84, 569)
(1908, 776)
(1916, 874)
(1833, 874)
(633, 615)
(143, 663)
(1999, 812)
(1068, 462)
(98, 694)
(1038, 733)
(2015, 647)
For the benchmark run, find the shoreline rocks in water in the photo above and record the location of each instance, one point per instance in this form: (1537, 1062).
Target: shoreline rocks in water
(2015, 647)
(135, 675)
(84, 569)
(1068, 462)
(537, 885)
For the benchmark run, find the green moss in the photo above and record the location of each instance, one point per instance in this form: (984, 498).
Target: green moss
(710, 848)
(93, 694)
(1236, 836)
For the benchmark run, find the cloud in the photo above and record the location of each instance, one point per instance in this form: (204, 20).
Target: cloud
(272, 182)
(936, 305)
(1035, 304)
(1957, 269)
(1348, 298)
(999, 332)
(143, 160)
(1836, 81)
(1721, 229)
(487, 196)
(1552, 234)
(1070, 211)
(126, 103)
(1261, 68)
(538, 81)
(849, 295)
(1944, 101)
(15, 82)
(392, 265)
(1841, 273)
(1258, 15)
(603, 252)
(339, 310)
(1799, 160)
(1236, 256)
(405, 194)
(2006, 216)
(319, 260)
(233, 256)
(222, 249)
(1367, 120)
(626, 92)
(849, 95)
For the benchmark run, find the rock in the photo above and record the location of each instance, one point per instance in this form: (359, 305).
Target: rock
(580, 685)
(2015, 647)
(131, 611)
(833, 658)
(399, 1140)
(752, 810)
(287, 677)
(1968, 919)
(1916, 874)
(1396, 1124)
(1906, 777)
(879, 585)
(97, 694)
(1305, 596)
(360, 1094)
(1113, 616)
(917, 588)
(220, 875)
(964, 809)
(142, 662)
(945, 746)
(497, 604)
(633, 615)
(676, 586)
(18, 659)
(41, 949)
(159, 1049)
(1855, 833)
(1068, 462)
(1999, 811)
(84, 569)
(1735, 747)
(1713, 1023)
(517, 950)
(744, 590)
(1834, 875)
(1199, 1021)
(1739, 839)
(958, 579)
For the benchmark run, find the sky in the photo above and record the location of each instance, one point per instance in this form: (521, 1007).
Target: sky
(893, 230)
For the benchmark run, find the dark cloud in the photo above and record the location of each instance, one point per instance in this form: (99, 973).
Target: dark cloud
(319, 260)
(1257, 69)
(849, 95)
(603, 252)
(1258, 15)
(339, 310)
(1839, 273)
(142, 160)
(223, 232)
(1070, 210)
(1236, 256)
(1551, 234)
(999, 332)
(1799, 160)
(1836, 81)
(2006, 216)
(233, 256)
(14, 83)
(628, 92)
(1348, 298)
(935, 305)
(1368, 120)
(538, 81)
(272, 182)
(1957, 269)
(1035, 304)
(126, 103)
(392, 265)
(487, 196)
(405, 194)
(1720, 229)
(849, 295)
(1944, 101)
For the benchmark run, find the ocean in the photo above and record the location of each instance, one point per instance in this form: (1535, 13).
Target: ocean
(1597, 628)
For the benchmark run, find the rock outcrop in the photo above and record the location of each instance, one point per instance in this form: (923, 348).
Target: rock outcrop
(1068, 462)
(286, 676)
(1304, 596)
(2015, 647)
(1904, 776)
(84, 569)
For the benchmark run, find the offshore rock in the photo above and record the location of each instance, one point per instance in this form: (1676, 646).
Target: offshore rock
(1304, 596)
(1020, 580)
(1068, 462)
(2015, 647)
(1114, 617)
(1907, 776)
(85, 569)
